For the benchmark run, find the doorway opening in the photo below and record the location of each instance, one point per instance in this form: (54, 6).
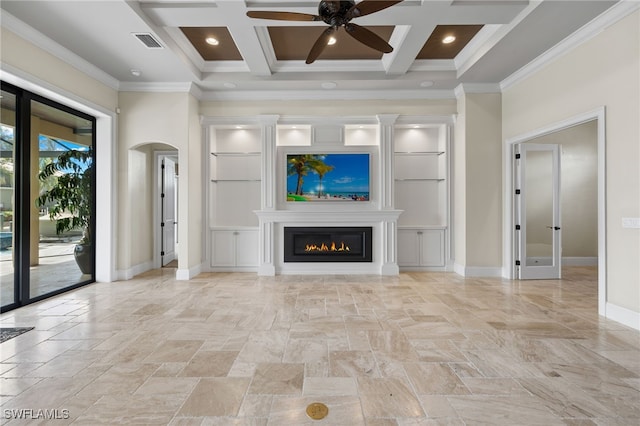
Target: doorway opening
(166, 206)
(581, 139)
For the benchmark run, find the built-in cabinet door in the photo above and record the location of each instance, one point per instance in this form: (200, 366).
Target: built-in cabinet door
(223, 248)
(408, 247)
(432, 247)
(231, 248)
(421, 247)
(246, 248)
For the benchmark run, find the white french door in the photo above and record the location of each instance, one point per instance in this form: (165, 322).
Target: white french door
(537, 204)
(168, 213)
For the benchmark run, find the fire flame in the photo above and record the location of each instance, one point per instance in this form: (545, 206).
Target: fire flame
(327, 248)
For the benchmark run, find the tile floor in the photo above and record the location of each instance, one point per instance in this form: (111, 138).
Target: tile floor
(237, 349)
(57, 269)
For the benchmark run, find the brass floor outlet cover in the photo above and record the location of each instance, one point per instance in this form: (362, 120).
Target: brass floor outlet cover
(317, 411)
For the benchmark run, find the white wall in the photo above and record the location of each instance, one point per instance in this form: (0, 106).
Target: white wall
(601, 72)
(43, 66)
(147, 119)
(477, 208)
(579, 188)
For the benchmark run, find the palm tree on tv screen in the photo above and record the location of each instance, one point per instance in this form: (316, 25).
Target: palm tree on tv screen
(321, 169)
(301, 165)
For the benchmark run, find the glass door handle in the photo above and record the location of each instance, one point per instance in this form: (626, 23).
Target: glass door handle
(555, 228)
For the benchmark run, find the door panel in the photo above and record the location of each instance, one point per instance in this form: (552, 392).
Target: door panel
(538, 177)
(7, 196)
(168, 210)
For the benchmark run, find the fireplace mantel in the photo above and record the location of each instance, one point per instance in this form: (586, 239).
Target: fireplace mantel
(334, 217)
(271, 230)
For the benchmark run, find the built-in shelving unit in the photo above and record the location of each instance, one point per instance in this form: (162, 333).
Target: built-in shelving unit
(409, 185)
(234, 195)
(422, 192)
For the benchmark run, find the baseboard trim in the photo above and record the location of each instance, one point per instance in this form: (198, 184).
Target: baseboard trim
(623, 315)
(127, 274)
(187, 274)
(478, 271)
(580, 261)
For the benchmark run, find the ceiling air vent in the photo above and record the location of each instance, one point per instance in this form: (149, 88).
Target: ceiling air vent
(148, 40)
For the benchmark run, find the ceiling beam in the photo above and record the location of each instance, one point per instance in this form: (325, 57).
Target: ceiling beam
(407, 41)
(247, 41)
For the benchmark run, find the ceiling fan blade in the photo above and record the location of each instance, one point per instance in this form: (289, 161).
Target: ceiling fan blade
(368, 38)
(320, 44)
(282, 16)
(366, 7)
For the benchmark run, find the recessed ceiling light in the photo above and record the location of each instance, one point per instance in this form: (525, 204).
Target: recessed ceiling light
(328, 85)
(212, 41)
(230, 85)
(332, 41)
(136, 73)
(449, 39)
(426, 83)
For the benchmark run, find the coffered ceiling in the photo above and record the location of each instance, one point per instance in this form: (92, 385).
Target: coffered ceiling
(262, 59)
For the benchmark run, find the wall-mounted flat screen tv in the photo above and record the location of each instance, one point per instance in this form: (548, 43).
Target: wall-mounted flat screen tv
(328, 177)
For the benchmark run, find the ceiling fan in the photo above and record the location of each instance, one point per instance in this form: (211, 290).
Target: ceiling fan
(337, 14)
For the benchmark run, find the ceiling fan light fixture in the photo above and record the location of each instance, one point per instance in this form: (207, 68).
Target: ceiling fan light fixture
(449, 39)
(336, 14)
(212, 41)
(332, 41)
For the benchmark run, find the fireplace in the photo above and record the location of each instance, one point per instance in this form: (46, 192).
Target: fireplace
(327, 244)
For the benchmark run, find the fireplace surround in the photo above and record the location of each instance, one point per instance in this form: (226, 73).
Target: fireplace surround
(328, 244)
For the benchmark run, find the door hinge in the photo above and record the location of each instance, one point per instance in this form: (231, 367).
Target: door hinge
(517, 192)
(162, 224)
(517, 156)
(517, 227)
(162, 166)
(517, 263)
(162, 195)
(161, 253)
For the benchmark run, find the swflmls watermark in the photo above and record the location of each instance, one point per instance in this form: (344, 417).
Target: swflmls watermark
(35, 414)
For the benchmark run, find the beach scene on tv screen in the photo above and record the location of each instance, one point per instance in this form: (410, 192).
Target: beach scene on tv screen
(328, 177)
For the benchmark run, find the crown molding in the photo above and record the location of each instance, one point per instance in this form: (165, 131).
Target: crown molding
(43, 42)
(612, 15)
(467, 88)
(273, 95)
(169, 87)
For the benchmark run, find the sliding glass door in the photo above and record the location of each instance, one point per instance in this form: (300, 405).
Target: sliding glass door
(8, 290)
(50, 196)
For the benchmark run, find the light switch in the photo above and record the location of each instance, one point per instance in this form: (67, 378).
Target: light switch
(631, 222)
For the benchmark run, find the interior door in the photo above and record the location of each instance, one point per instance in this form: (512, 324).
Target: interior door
(168, 250)
(538, 227)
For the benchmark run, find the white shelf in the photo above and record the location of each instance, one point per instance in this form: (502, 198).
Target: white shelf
(422, 192)
(419, 152)
(421, 180)
(234, 154)
(234, 180)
